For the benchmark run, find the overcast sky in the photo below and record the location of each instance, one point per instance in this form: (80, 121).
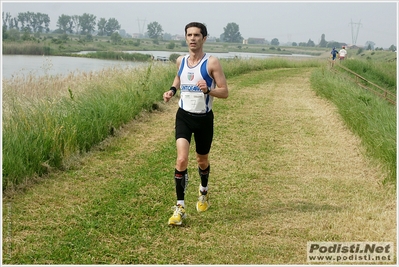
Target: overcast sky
(287, 21)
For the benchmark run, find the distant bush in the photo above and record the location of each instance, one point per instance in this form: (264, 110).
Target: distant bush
(170, 45)
(173, 57)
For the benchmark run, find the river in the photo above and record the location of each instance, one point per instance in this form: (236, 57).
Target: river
(22, 65)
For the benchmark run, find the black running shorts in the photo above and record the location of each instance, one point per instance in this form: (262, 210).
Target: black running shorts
(201, 125)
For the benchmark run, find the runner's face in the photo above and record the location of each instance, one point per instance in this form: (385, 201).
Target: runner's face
(194, 38)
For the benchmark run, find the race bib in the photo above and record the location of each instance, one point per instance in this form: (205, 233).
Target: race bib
(194, 102)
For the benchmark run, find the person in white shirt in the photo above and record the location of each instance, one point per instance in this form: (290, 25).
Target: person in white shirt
(342, 53)
(200, 78)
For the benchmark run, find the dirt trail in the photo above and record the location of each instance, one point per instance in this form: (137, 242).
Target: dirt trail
(308, 171)
(286, 171)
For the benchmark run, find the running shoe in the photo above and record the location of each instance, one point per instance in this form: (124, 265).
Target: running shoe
(178, 215)
(203, 201)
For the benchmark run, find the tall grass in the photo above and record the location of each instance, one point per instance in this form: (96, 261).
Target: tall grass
(381, 73)
(369, 117)
(117, 56)
(26, 48)
(43, 132)
(47, 121)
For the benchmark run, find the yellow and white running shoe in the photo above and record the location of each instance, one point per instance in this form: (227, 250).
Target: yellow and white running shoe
(203, 201)
(178, 215)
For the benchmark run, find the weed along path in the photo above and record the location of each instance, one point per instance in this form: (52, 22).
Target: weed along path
(285, 171)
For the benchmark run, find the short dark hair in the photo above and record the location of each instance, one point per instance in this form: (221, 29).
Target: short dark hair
(204, 31)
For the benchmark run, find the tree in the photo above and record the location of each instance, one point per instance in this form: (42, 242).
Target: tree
(310, 43)
(5, 34)
(87, 23)
(392, 48)
(112, 26)
(232, 33)
(6, 19)
(323, 42)
(333, 44)
(23, 19)
(370, 45)
(101, 26)
(116, 38)
(14, 24)
(63, 23)
(75, 19)
(274, 41)
(39, 22)
(30, 22)
(154, 30)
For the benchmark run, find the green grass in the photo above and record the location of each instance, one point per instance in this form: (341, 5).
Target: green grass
(41, 133)
(115, 56)
(371, 118)
(281, 176)
(379, 72)
(47, 131)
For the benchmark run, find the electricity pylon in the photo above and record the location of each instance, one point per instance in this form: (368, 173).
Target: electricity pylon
(141, 29)
(355, 34)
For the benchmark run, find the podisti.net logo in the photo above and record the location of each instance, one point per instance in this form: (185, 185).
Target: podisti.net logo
(372, 252)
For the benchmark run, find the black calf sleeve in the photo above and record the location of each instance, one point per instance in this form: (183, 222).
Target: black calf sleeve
(204, 174)
(181, 181)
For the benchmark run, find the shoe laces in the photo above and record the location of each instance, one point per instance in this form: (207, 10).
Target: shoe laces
(202, 198)
(177, 210)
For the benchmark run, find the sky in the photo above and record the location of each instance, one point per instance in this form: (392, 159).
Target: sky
(352, 22)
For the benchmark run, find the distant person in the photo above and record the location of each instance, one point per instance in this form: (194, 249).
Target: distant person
(342, 53)
(200, 78)
(334, 53)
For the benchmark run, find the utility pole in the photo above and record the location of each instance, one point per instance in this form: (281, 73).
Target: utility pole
(355, 34)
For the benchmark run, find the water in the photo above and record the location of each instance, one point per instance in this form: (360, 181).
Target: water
(21, 65)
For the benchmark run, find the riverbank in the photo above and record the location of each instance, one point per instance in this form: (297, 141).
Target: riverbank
(286, 170)
(54, 44)
(52, 102)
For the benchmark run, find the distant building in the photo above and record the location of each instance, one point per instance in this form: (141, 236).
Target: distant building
(178, 37)
(352, 47)
(137, 35)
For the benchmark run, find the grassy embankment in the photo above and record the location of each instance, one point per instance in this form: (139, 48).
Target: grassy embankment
(367, 116)
(281, 180)
(47, 121)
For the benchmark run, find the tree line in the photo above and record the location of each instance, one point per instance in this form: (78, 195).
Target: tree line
(39, 23)
(27, 21)
(30, 22)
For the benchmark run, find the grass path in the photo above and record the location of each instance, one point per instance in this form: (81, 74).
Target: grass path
(285, 170)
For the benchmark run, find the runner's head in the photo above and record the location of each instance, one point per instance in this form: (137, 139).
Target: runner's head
(199, 25)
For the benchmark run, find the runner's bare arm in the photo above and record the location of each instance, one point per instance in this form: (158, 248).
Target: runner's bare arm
(216, 71)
